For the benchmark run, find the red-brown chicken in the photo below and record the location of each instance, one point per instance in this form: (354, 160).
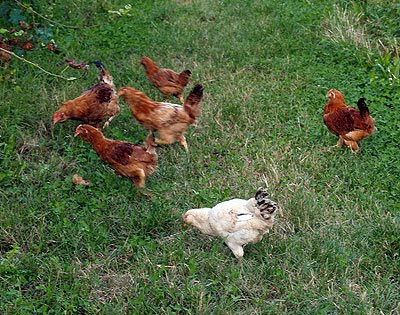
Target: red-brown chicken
(127, 159)
(350, 124)
(170, 120)
(93, 105)
(167, 81)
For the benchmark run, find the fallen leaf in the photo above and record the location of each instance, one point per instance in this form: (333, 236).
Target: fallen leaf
(23, 25)
(28, 46)
(4, 57)
(16, 42)
(73, 64)
(53, 48)
(78, 180)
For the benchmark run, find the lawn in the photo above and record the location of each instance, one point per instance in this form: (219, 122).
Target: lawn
(266, 67)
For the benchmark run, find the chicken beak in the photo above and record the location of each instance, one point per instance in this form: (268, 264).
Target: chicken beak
(55, 120)
(76, 133)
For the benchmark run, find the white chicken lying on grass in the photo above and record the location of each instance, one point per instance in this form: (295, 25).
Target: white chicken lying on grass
(238, 221)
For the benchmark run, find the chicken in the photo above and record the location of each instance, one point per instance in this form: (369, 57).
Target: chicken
(170, 120)
(130, 160)
(93, 105)
(350, 124)
(167, 81)
(238, 221)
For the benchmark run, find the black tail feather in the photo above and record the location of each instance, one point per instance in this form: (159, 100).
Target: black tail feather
(362, 106)
(261, 194)
(266, 206)
(98, 64)
(192, 103)
(198, 90)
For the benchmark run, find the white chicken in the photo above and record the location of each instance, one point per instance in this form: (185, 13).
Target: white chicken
(238, 221)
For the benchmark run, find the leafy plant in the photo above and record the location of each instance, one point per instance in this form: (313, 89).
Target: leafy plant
(125, 11)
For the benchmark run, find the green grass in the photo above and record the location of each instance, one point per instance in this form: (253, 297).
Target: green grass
(266, 67)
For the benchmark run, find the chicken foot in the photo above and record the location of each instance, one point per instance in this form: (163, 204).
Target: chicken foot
(340, 142)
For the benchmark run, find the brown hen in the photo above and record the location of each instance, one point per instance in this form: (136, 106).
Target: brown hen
(170, 120)
(127, 159)
(93, 105)
(351, 125)
(167, 81)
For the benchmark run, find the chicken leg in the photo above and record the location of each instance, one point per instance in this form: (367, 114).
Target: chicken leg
(352, 145)
(107, 123)
(236, 249)
(182, 141)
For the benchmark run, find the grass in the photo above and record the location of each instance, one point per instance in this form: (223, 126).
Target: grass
(345, 26)
(266, 67)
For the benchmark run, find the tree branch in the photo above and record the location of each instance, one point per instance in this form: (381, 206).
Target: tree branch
(37, 66)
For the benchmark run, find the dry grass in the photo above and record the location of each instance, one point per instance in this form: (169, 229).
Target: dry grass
(346, 26)
(106, 284)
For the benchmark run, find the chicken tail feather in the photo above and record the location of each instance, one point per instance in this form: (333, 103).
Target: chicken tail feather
(362, 106)
(105, 75)
(184, 77)
(99, 64)
(192, 103)
(266, 206)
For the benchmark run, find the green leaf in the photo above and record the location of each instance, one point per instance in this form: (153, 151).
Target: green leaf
(19, 33)
(3, 31)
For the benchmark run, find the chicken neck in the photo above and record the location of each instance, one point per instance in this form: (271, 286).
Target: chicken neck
(71, 110)
(332, 105)
(97, 140)
(151, 68)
